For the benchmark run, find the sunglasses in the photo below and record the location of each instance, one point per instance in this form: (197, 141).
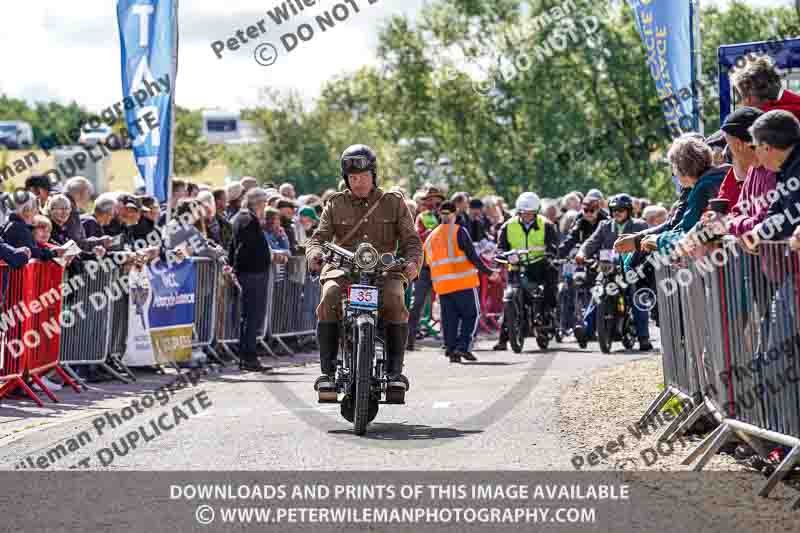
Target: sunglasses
(590, 210)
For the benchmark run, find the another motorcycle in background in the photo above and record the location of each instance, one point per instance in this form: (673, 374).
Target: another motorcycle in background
(524, 313)
(614, 314)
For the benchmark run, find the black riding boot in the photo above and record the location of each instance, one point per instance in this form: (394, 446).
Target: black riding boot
(396, 338)
(502, 342)
(328, 339)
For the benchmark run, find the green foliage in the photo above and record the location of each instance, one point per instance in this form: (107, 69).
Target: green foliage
(192, 153)
(294, 147)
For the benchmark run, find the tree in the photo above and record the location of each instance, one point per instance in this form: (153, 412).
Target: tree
(191, 152)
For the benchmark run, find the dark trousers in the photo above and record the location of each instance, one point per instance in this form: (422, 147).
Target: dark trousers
(254, 310)
(460, 312)
(422, 288)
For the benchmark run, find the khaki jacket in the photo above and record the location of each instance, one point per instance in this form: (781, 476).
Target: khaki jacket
(389, 228)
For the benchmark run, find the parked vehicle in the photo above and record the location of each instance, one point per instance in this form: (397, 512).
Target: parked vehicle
(15, 134)
(93, 136)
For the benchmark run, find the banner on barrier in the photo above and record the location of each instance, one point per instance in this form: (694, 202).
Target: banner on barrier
(161, 314)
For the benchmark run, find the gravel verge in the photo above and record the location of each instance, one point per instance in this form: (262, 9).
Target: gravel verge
(599, 408)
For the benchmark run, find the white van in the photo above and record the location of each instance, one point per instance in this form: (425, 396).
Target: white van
(15, 134)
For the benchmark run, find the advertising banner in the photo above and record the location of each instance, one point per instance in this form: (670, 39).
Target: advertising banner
(161, 314)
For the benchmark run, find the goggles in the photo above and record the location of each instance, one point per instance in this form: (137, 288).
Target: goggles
(355, 164)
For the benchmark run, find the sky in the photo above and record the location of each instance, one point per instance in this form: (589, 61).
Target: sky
(65, 51)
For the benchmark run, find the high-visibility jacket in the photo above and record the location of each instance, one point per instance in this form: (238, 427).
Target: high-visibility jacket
(429, 220)
(532, 241)
(451, 270)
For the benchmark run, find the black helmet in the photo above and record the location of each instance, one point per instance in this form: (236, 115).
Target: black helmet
(621, 201)
(358, 158)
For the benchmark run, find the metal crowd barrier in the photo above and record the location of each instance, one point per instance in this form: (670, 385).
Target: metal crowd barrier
(731, 340)
(206, 294)
(680, 374)
(229, 315)
(89, 303)
(293, 300)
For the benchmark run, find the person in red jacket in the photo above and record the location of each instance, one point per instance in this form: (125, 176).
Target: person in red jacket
(758, 84)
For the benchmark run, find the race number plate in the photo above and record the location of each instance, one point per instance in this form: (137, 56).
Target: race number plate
(364, 297)
(608, 255)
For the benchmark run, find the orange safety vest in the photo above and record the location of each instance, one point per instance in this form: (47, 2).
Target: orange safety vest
(451, 270)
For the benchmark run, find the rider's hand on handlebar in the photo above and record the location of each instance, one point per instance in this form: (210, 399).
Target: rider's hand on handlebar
(625, 244)
(411, 270)
(579, 259)
(315, 262)
(650, 243)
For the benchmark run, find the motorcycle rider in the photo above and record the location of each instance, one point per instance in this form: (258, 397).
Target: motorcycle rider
(603, 238)
(351, 217)
(591, 215)
(528, 230)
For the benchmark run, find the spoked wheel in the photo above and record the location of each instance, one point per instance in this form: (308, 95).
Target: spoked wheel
(516, 328)
(605, 324)
(363, 378)
(629, 332)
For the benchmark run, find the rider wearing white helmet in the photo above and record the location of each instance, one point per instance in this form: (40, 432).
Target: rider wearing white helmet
(529, 230)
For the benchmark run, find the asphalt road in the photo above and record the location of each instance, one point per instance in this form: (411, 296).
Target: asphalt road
(500, 412)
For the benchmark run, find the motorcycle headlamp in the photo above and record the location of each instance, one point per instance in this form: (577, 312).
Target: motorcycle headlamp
(366, 257)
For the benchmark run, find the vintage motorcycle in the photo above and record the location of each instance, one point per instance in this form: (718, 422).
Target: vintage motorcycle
(574, 295)
(361, 364)
(524, 311)
(583, 279)
(614, 313)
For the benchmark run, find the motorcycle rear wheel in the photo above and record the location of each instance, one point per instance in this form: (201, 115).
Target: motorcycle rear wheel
(363, 377)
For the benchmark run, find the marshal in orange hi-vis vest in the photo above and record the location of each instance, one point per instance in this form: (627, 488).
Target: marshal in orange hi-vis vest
(451, 270)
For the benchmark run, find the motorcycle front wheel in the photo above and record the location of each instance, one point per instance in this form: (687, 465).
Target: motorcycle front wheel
(628, 331)
(363, 377)
(606, 318)
(514, 317)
